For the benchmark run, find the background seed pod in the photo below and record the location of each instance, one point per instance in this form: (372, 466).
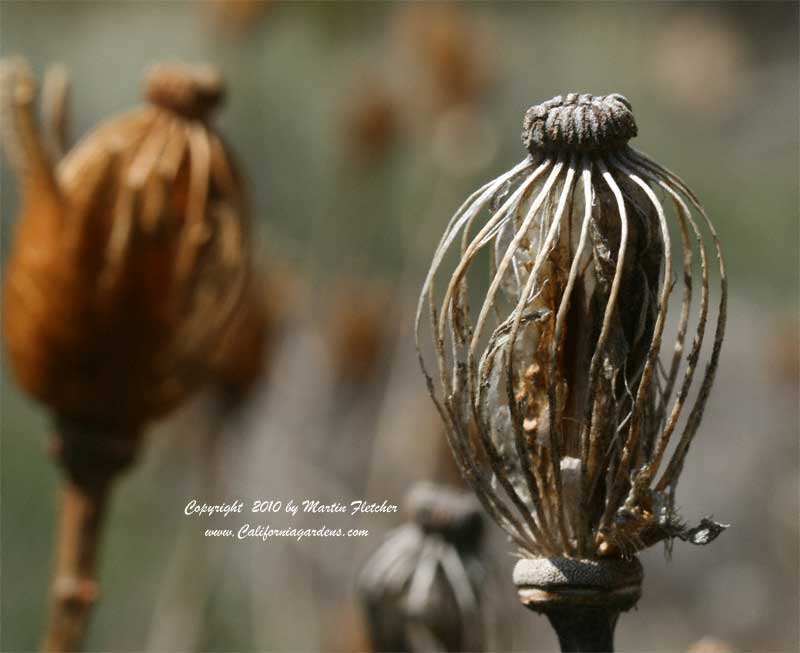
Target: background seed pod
(130, 254)
(423, 589)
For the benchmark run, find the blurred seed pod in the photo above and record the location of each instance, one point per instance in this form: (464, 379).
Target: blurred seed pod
(360, 332)
(450, 47)
(423, 588)
(239, 17)
(130, 255)
(244, 350)
(371, 122)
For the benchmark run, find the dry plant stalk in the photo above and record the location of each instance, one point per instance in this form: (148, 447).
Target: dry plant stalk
(422, 588)
(130, 256)
(558, 409)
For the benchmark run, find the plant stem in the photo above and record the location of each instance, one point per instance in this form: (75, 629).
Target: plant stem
(584, 629)
(91, 456)
(74, 589)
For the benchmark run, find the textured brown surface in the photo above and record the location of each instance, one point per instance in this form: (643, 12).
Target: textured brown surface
(579, 122)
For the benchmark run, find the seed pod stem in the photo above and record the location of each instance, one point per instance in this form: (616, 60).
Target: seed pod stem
(91, 461)
(74, 589)
(584, 629)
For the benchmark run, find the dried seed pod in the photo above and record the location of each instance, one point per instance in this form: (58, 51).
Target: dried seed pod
(129, 256)
(422, 588)
(558, 409)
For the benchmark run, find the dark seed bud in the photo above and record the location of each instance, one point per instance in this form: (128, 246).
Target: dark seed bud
(191, 91)
(454, 515)
(579, 123)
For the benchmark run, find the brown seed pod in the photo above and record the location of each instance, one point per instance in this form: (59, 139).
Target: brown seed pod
(243, 352)
(130, 254)
(559, 409)
(129, 258)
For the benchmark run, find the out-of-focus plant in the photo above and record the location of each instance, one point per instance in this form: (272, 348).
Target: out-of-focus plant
(710, 644)
(361, 332)
(238, 18)
(423, 589)
(449, 46)
(129, 259)
(360, 336)
(722, 84)
(372, 123)
(558, 409)
(451, 77)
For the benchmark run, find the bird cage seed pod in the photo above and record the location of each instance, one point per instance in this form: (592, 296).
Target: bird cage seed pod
(423, 589)
(559, 409)
(129, 258)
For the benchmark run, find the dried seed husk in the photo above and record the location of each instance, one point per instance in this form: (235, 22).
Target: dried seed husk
(128, 260)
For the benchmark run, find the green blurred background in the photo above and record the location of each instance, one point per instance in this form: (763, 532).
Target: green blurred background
(357, 143)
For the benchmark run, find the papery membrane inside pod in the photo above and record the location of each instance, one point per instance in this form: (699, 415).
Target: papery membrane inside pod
(535, 373)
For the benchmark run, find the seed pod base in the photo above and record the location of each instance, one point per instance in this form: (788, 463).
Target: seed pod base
(544, 584)
(581, 598)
